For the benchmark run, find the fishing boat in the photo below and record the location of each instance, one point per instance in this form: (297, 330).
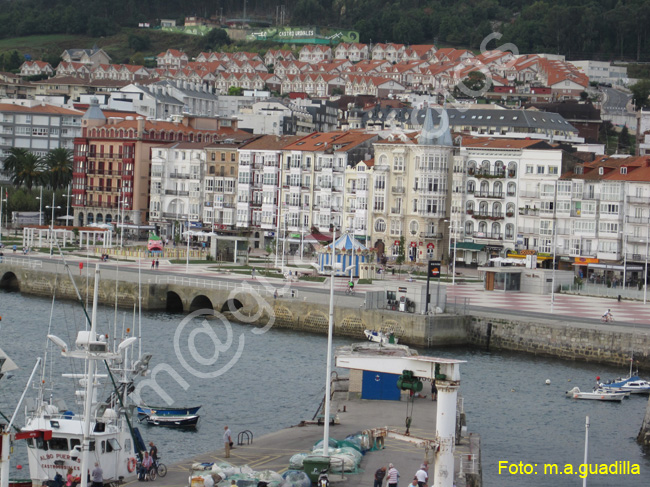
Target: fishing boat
(59, 439)
(597, 395)
(380, 336)
(632, 383)
(171, 421)
(166, 411)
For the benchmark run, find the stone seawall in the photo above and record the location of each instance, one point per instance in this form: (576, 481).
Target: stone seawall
(572, 342)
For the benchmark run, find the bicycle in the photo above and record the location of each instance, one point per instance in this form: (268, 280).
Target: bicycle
(161, 468)
(607, 318)
(150, 474)
(349, 291)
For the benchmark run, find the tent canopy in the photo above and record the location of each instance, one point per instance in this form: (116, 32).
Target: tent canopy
(347, 242)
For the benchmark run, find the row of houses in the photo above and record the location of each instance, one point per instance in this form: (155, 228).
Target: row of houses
(488, 196)
(419, 68)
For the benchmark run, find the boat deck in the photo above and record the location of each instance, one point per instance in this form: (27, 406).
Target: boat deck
(273, 451)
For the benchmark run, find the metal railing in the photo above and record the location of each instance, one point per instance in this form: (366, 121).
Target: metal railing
(31, 263)
(213, 284)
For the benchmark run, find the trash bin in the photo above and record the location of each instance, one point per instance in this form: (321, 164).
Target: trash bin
(313, 465)
(402, 303)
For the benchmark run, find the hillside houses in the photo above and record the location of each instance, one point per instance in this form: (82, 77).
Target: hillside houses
(36, 68)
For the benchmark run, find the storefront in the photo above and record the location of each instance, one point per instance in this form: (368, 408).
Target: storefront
(467, 253)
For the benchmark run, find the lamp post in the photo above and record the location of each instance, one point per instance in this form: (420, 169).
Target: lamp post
(553, 264)
(2, 200)
(40, 208)
(122, 202)
(645, 274)
(330, 330)
(52, 222)
(187, 260)
(67, 207)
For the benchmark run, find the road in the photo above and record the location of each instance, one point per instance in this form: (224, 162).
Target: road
(615, 100)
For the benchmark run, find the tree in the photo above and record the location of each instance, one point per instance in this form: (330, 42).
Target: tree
(139, 43)
(24, 168)
(624, 140)
(215, 38)
(235, 91)
(59, 167)
(640, 92)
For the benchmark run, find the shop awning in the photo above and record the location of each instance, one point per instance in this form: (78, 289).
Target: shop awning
(469, 246)
(615, 267)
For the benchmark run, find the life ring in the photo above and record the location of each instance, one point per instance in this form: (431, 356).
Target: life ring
(130, 464)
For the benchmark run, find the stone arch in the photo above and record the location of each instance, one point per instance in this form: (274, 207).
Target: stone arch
(174, 303)
(316, 322)
(201, 302)
(10, 282)
(231, 306)
(353, 325)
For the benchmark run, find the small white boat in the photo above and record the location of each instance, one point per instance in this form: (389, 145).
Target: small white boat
(597, 395)
(380, 336)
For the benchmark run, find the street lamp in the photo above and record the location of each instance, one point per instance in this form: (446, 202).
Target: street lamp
(40, 208)
(553, 264)
(645, 274)
(330, 331)
(67, 207)
(453, 262)
(1, 201)
(187, 261)
(123, 201)
(52, 222)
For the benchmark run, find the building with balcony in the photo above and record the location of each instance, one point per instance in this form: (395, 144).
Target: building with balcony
(410, 193)
(258, 188)
(499, 197)
(37, 127)
(220, 186)
(112, 162)
(313, 178)
(177, 196)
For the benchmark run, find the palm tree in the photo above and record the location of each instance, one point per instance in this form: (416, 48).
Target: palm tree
(31, 171)
(14, 161)
(59, 167)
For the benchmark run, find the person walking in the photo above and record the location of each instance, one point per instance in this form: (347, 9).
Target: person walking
(97, 476)
(227, 440)
(153, 451)
(153, 263)
(422, 476)
(157, 263)
(393, 475)
(253, 272)
(379, 476)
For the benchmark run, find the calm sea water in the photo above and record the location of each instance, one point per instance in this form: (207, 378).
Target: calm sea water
(277, 379)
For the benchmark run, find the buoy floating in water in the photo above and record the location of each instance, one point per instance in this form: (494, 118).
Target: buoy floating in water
(548, 382)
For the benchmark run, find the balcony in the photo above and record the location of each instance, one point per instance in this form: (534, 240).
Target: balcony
(396, 211)
(179, 175)
(351, 190)
(176, 192)
(429, 235)
(488, 235)
(637, 219)
(175, 216)
(489, 194)
(529, 211)
(638, 199)
(528, 193)
(398, 189)
(488, 216)
(480, 174)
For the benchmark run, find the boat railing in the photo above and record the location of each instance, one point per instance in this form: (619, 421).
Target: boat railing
(31, 263)
(212, 284)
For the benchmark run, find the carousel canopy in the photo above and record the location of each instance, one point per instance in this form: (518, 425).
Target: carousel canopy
(347, 242)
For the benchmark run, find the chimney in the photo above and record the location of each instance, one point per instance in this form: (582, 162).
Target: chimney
(140, 127)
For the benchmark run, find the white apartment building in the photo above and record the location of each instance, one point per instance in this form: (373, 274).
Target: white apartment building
(411, 178)
(177, 175)
(602, 71)
(503, 197)
(313, 178)
(36, 126)
(358, 196)
(258, 189)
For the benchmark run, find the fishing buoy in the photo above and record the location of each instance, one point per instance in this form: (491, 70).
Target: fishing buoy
(548, 382)
(568, 380)
(512, 390)
(597, 377)
(19, 467)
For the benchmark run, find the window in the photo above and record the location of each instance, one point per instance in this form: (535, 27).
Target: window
(414, 226)
(552, 169)
(546, 227)
(380, 225)
(59, 444)
(608, 227)
(398, 163)
(378, 203)
(608, 209)
(540, 169)
(584, 226)
(529, 169)
(396, 227)
(564, 189)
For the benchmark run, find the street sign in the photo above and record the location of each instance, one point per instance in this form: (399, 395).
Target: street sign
(434, 268)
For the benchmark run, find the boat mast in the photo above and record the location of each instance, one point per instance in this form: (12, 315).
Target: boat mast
(90, 379)
(584, 480)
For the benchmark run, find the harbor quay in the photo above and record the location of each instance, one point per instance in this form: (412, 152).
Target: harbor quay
(407, 453)
(302, 308)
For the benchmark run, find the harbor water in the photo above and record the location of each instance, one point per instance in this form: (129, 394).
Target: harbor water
(265, 380)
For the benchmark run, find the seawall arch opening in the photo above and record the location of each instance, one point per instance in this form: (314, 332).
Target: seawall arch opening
(174, 303)
(9, 282)
(201, 302)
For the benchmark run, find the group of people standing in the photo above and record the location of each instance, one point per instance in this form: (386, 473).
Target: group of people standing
(391, 475)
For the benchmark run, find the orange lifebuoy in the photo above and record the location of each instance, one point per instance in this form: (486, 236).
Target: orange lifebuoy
(130, 464)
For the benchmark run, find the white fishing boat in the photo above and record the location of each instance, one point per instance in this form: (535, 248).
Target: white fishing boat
(380, 336)
(632, 383)
(59, 439)
(597, 395)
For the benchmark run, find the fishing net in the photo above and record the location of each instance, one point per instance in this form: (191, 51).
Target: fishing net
(293, 478)
(295, 462)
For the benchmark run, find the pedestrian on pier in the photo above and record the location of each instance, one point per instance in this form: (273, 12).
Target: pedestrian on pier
(421, 476)
(379, 476)
(434, 390)
(153, 263)
(253, 273)
(393, 476)
(157, 263)
(227, 440)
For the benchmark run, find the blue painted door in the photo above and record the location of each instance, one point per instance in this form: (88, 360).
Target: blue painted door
(380, 386)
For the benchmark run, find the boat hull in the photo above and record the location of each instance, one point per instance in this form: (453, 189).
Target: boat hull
(164, 411)
(173, 421)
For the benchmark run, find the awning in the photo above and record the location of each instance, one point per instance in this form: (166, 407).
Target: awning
(319, 237)
(615, 267)
(469, 246)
